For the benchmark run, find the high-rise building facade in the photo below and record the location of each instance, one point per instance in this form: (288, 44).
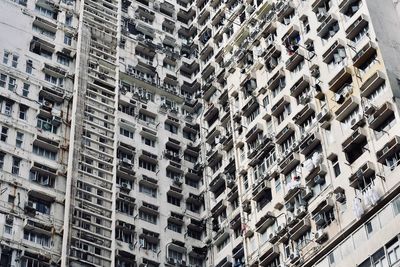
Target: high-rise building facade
(199, 133)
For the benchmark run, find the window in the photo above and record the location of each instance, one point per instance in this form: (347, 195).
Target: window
(67, 39)
(14, 62)
(29, 67)
(63, 60)
(175, 254)
(54, 80)
(148, 190)
(5, 57)
(194, 234)
(22, 112)
(2, 155)
(43, 31)
(147, 165)
(41, 178)
(19, 139)
(223, 244)
(11, 198)
(7, 108)
(45, 12)
(4, 134)
(148, 141)
(286, 112)
(174, 227)
(379, 258)
(372, 226)
(170, 127)
(12, 84)
(335, 166)
(393, 251)
(40, 151)
(338, 59)
(37, 238)
(68, 20)
(45, 125)
(396, 206)
(126, 133)
(173, 200)
(8, 229)
(277, 184)
(124, 207)
(3, 80)
(39, 205)
(385, 126)
(151, 218)
(25, 90)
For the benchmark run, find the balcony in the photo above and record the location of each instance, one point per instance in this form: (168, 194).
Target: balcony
(324, 205)
(31, 224)
(274, 81)
(316, 174)
(217, 182)
(358, 137)
(295, 59)
(265, 221)
(364, 54)
(252, 134)
(272, 55)
(380, 115)
(260, 189)
(365, 171)
(279, 106)
(300, 228)
(283, 9)
(284, 133)
(373, 82)
(250, 106)
(211, 111)
(328, 54)
(225, 262)
(325, 25)
(304, 114)
(356, 27)
(388, 149)
(268, 255)
(346, 108)
(341, 78)
(148, 181)
(289, 162)
(299, 86)
(310, 143)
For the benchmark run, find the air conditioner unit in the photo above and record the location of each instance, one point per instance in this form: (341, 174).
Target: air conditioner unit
(340, 197)
(319, 219)
(281, 229)
(289, 206)
(315, 72)
(307, 193)
(291, 220)
(319, 179)
(273, 237)
(124, 185)
(320, 236)
(126, 160)
(300, 211)
(294, 256)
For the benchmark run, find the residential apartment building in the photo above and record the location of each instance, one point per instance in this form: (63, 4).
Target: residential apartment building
(199, 133)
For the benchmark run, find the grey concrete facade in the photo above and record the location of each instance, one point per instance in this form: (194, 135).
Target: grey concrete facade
(199, 133)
